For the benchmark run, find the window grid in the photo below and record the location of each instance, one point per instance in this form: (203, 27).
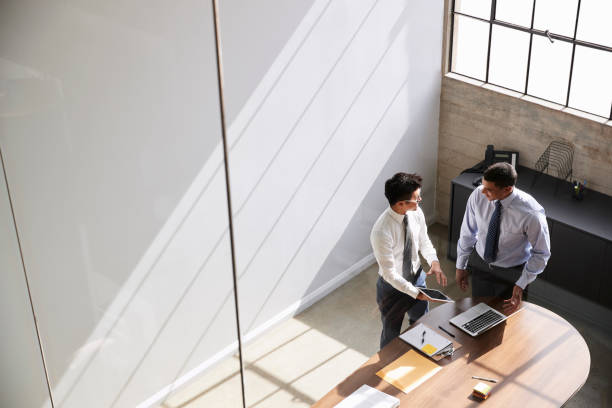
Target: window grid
(530, 46)
(492, 20)
(569, 85)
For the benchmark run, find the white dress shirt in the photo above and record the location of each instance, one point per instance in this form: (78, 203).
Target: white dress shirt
(387, 239)
(523, 235)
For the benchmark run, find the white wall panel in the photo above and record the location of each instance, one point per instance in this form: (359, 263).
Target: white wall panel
(351, 98)
(22, 377)
(110, 128)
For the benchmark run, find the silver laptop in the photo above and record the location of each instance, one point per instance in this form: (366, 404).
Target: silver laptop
(478, 319)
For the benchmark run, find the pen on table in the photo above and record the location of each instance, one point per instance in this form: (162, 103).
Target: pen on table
(446, 331)
(484, 379)
(423, 338)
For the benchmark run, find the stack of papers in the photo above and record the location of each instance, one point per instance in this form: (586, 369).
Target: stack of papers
(481, 391)
(368, 397)
(427, 340)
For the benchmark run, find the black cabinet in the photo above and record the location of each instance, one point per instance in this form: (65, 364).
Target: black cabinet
(459, 199)
(605, 289)
(580, 233)
(575, 262)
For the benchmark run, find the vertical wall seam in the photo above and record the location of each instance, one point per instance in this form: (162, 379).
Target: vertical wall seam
(27, 282)
(215, 6)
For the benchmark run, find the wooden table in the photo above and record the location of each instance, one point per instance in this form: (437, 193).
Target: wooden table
(539, 359)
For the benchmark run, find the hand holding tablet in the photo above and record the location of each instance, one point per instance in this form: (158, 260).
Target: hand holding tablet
(435, 295)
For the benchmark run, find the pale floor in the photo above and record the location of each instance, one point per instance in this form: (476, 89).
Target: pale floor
(300, 360)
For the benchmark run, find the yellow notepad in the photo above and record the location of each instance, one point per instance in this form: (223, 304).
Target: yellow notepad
(482, 390)
(409, 371)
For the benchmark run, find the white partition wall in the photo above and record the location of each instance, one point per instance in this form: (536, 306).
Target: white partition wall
(325, 101)
(111, 134)
(110, 131)
(22, 377)
(344, 95)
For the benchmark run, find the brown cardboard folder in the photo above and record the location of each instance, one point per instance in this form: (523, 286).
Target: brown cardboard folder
(409, 371)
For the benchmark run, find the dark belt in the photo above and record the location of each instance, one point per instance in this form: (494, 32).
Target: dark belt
(491, 266)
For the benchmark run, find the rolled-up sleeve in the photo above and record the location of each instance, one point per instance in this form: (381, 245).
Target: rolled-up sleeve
(468, 235)
(382, 244)
(539, 238)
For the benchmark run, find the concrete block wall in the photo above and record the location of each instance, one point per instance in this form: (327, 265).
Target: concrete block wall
(473, 116)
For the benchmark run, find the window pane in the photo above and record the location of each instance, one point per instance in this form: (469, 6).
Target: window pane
(508, 64)
(594, 22)
(476, 8)
(514, 11)
(592, 81)
(558, 16)
(549, 70)
(471, 39)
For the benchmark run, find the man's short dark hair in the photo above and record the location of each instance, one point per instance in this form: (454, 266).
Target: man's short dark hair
(501, 174)
(401, 186)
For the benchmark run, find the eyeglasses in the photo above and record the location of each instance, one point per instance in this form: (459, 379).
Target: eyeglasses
(418, 200)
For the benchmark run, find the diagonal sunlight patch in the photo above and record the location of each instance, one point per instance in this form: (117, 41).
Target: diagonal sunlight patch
(277, 375)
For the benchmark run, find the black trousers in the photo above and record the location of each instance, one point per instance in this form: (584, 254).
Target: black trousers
(490, 280)
(394, 305)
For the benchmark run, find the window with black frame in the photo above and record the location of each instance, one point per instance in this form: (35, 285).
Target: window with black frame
(556, 50)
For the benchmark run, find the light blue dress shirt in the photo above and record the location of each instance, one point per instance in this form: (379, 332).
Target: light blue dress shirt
(523, 236)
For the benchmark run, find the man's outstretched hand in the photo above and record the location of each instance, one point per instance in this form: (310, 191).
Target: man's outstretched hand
(437, 270)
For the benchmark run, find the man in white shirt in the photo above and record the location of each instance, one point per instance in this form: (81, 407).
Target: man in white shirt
(397, 237)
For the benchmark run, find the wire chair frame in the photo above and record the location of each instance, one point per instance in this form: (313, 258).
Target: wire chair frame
(557, 160)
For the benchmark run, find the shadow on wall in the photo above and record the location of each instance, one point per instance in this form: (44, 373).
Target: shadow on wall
(303, 172)
(252, 45)
(334, 187)
(307, 148)
(297, 182)
(415, 152)
(271, 220)
(345, 167)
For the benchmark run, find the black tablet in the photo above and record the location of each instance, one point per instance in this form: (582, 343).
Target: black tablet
(435, 294)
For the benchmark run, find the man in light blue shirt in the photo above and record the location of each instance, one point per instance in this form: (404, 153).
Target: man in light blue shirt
(508, 230)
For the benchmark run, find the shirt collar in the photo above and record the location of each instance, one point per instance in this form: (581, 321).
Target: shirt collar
(397, 217)
(506, 201)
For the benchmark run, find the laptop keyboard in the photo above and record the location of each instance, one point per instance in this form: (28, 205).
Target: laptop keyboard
(484, 320)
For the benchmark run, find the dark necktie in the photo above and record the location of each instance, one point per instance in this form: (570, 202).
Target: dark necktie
(407, 264)
(493, 234)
